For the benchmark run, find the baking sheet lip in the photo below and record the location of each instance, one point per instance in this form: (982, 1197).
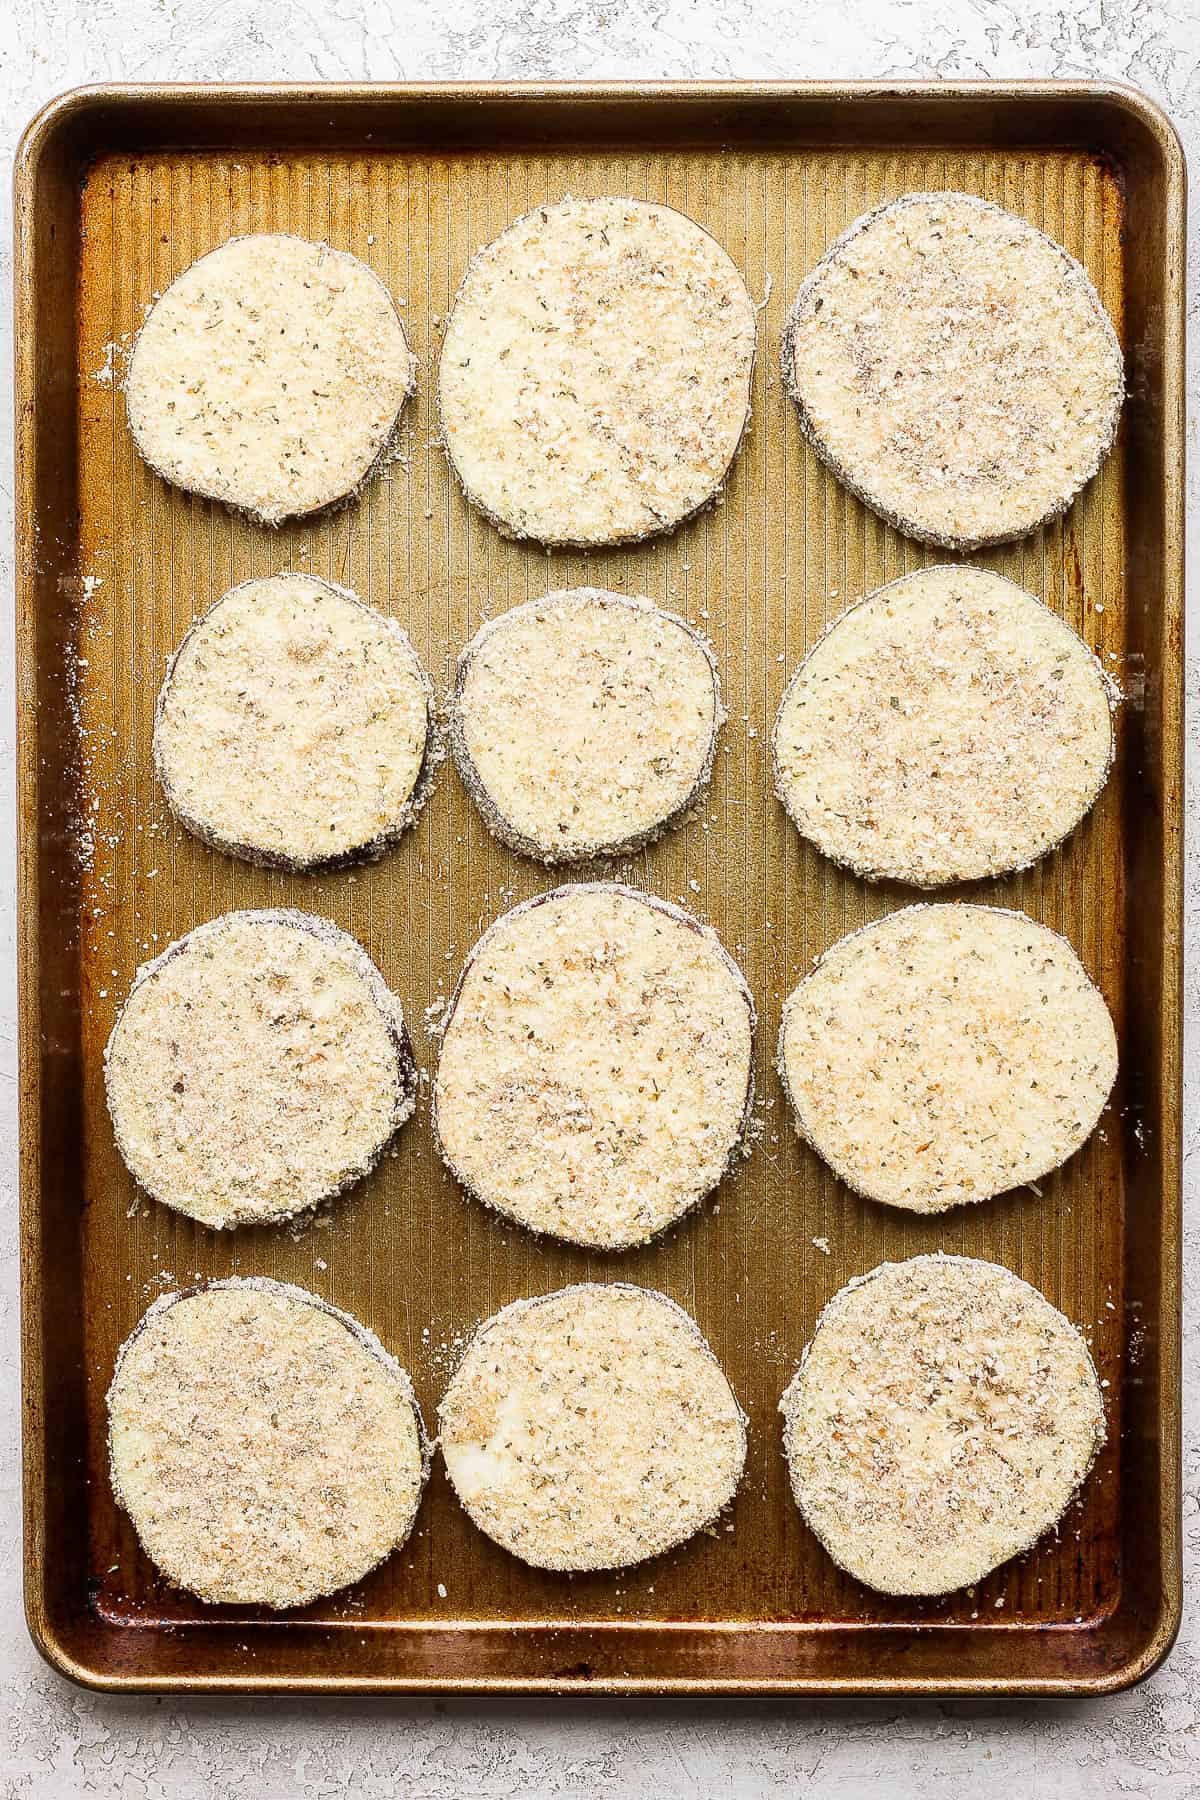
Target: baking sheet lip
(101, 1679)
(88, 96)
(1140, 1664)
(52, 1643)
(289, 1685)
(1173, 727)
(33, 1373)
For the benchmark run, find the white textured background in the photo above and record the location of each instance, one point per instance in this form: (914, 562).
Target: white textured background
(57, 1742)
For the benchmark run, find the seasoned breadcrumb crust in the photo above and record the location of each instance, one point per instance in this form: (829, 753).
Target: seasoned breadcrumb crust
(942, 1419)
(591, 1428)
(948, 726)
(945, 1054)
(256, 1093)
(920, 398)
(265, 1445)
(329, 742)
(612, 708)
(594, 381)
(531, 1116)
(270, 375)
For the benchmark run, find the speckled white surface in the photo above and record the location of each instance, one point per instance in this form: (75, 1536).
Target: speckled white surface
(57, 1742)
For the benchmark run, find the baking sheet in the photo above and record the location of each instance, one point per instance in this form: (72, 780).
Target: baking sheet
(120, 189)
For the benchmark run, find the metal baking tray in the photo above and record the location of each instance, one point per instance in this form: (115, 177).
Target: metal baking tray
(119, 188)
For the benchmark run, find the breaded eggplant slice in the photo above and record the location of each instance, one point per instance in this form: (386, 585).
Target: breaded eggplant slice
(591, 1428)
(596, 1070)
(955, 368)
(945, 1054)
(259, 1066)
(594, 381)
(947, 727)
(294, 725)
(585, 723)
(941, 1421)
(270, 375)
(265, 1445)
